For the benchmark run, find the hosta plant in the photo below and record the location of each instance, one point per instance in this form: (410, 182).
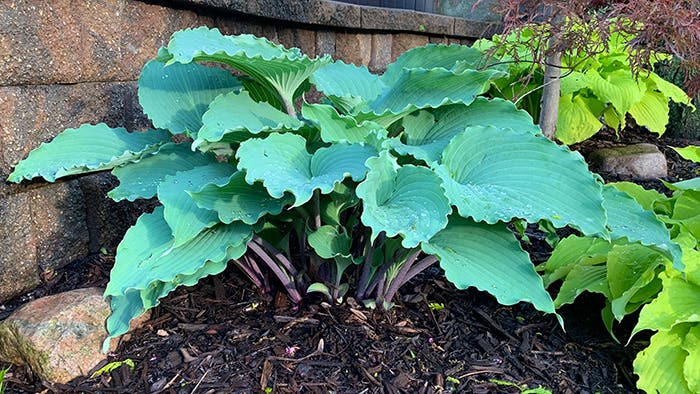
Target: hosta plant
(382, 178)
(636, 273)
(596, 89)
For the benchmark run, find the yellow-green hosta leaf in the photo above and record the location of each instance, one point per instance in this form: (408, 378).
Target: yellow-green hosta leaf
(670, 90)
(660, 366)
(182, 214)
(691, 366)
(341, 128)
(572, 82)
(678, 302)
(427, 133)
(141, 179)
(575, 122)
(233, 113)
(88, 148)
(175, 97)
(613, 119)
(493, 175)
(237, 200)
(402, 200)
(582, 278)
(651, 111)
(618, 88)
(630, 268)
(691, 153)
(572, 252)
(490, 258)
(646, 198)
(283, 164)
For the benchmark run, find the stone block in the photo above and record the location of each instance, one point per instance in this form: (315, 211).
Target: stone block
(18, 260)
(404, 41)
(381, 52)
(639, 161)
(63, 41)
(325, 43)
(376, 18)
(59, 224)
(476, 29)
(299, 38)
(35, 114)
(353, 48)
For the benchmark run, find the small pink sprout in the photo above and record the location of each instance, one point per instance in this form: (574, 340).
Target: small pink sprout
(498, 361)
(431, 340)
(290, 350)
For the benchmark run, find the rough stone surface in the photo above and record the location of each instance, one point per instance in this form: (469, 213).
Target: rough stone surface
(640, 161)
(325, 43)
(87, 41)
(381, 52)
(376, 18)
(354, 48)
(18, 258)
(60, 336)
(403, 42)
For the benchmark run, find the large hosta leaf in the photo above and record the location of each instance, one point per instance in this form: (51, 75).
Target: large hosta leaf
(493, 175)
(405, 200)
(582, 278)
(574, 252)
(182, 214)
(432, 56)
(626, 219)
(630, 269)
(283, 164)
(427, 133)
(691, 366)
(651, 111)
(669, 90)
(329, 243)
(88, 148)
(233, 112)
(341, 128)
(176, 96)
(619, 88)
(575, 122)
(237, 200)
(347, 80)
(489, 258)
(691, 153)
(278, 69)
(660, 366)
(678, 302)
(141, 179)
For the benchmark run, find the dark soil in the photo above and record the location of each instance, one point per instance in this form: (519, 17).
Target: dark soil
(223, 337)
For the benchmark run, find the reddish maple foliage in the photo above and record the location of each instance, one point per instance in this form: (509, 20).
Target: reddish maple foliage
(665, 26)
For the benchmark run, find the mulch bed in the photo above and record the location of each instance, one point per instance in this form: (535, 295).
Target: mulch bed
(222, 337)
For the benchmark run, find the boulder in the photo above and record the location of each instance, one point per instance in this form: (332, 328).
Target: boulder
(59, 336)
(639, 161)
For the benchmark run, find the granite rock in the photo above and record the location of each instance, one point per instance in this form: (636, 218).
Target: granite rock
(639, 161)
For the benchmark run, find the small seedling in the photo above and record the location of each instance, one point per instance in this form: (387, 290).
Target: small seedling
(112, 366)
(522, 387)
(3, 384)
(436, 306)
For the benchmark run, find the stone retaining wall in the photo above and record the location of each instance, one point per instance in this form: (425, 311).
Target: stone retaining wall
(68, 62)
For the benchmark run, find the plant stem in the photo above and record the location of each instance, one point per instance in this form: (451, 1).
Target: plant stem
(420, 266)
(317, 209)
(364, 282)
(277, 254)
(400, 277)
(287, 281)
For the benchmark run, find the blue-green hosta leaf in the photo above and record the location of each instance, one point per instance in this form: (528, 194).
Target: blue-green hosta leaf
(427, 133)
(402, 200)
(619, 88)
(575, 122)
(328, 243)
(432, 56)
(646, 198)
(237, 200)
(182, 214)
(651, 111)
(660, 366)
(279, 69)
(283, 164)
(688, 184)
(176, 96)
(141, 179)
(627, 219)
(690, 152)
(489, 258)
(233, 113)
(124, 309)
(338, 79)
(493, 175)
(573, 252)
(341, 128)
(141, 261)
(420, 88)
(88, 148)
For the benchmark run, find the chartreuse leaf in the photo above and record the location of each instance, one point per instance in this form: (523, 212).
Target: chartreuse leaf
(572, 82)
(646, 198)
(691, 153)
(582, 278)
(678, 302)
(427, 133)
(489, 258)
(691, 366)
(630, 268)
(574, 251)
(147, 257)
(660, 366)
(339, 79)
(141, 179)
(88, 148)
(432, 56)
(626, 219)
(328, 242)
(175, 97)
(283, 164)
(182, 214)
(237, 200)
(669, 90)
(233, 113)
(342, 128)
(493, 175)
(575, 122)
(402, 200)
(618, 87)
(651, 111)
(280, 70)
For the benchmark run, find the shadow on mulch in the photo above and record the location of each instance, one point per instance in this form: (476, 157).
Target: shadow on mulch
(222, 337)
